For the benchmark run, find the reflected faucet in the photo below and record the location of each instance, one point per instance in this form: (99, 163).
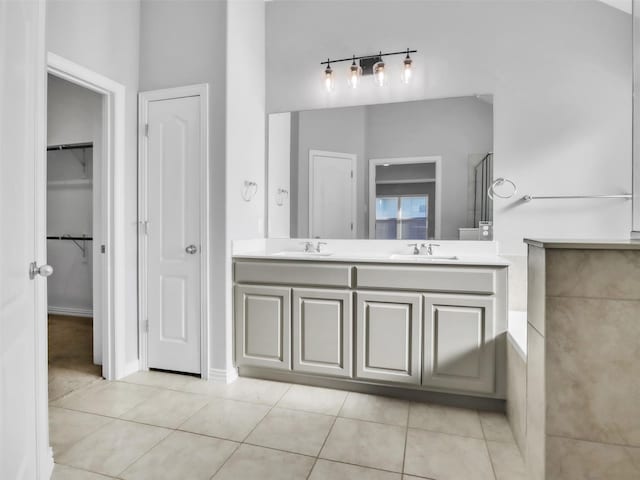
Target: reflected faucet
(427, 249)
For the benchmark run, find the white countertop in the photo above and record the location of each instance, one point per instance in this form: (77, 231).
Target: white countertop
(585, 244)
(346, 257)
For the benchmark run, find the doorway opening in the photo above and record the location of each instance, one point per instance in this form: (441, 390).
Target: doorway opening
(74, 236)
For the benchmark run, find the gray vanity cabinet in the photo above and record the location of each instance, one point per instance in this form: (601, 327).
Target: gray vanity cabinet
(388, 337)
(322, 326)
(459, 343)
(263, 320)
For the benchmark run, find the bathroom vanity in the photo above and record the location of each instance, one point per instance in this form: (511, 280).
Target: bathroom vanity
(421, 324)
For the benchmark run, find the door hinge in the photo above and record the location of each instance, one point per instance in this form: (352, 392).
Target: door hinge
(146, 325)
(103, 249)
(352, 226)
(144, 226)
(351, 173)
(146, 129)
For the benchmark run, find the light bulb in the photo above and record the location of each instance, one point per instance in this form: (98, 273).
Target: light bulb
(329, 81)
(379, 74)
(355, 73)
(407, 69)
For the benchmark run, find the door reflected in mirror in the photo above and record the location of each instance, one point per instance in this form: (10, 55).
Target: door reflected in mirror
(409, 171)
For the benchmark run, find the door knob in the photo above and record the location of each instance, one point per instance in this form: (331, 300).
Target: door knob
(191, 249)
(42, 270)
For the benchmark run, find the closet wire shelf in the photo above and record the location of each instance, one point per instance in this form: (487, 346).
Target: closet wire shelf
(75, 239)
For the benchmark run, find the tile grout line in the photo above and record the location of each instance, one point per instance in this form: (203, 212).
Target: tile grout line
(335, 419)
(406, 435)
(243, 441)
(486, 446)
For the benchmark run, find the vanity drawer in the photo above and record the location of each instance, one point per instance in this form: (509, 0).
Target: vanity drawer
(294, 273)
(428, 278)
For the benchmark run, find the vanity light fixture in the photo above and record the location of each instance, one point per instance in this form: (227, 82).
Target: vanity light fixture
(379, 74)
(407, 69)
(355, 72)
(329, 80)
(373, 65)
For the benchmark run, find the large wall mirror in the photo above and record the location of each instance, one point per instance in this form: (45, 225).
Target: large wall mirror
(413, 170)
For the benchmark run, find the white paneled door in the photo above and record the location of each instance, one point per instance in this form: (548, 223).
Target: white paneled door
(332, 194)
(173, 234)
(23, 367)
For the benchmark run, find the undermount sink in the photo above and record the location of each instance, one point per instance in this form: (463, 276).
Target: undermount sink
(300, 253)
(422, 258)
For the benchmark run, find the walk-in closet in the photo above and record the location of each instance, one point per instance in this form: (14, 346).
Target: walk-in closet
(73, 230)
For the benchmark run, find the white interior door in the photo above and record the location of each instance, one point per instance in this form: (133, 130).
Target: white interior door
(332, 194)
(173, 234)
(23, 395)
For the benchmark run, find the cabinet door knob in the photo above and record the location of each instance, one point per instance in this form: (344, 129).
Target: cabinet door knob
(191, 249)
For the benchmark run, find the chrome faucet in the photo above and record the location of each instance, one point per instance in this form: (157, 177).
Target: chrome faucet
(427, 249)
(308, 247)
(319, 246)
(416, 251)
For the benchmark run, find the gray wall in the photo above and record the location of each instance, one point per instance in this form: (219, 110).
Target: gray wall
(104, 37)
(183, 43)
(336, 130)
(560, 73)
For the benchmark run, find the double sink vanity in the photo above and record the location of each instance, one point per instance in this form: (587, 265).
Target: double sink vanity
(386, 318)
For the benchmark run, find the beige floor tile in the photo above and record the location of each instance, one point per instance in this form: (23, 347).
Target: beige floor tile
(443, 419)
(292, 430)
(113, 448)
(256, 391)
(569, 459)
(63, 381)
(63, 472)
(182, 456)
(228, 419)
(366, 444)
(167, 409)
(507, 461)
(313, 399)
(446, 457)
(244, 389)
(374, 408)
(252, 463)
(171, 381)
(66, 427)
(107, 398)
(496, 427)
(326, 470)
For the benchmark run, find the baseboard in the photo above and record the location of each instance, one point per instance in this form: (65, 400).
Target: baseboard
(47, 465)
(130, 368)
(221, 375)
(70, 311)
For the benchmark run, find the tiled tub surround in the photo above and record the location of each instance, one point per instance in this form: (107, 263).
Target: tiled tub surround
(376, 324)
(583, 360)
(158, 426)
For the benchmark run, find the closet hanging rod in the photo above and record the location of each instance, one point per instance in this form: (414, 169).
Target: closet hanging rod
(528, 198)
(67, 237)
(70, 146)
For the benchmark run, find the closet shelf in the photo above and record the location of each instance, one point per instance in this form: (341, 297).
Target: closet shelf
(408, 180)
(70, 183)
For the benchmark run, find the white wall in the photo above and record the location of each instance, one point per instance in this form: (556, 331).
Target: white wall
(279, 155)
(74, 115)
(246, 134)
(103, 36)
(560, 73)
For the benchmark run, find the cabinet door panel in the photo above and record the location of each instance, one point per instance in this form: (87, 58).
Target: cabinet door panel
(322, 326)
(388, 337)
(263, 319)
(459, 351)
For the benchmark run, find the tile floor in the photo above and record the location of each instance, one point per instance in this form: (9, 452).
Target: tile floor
(160, 426)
